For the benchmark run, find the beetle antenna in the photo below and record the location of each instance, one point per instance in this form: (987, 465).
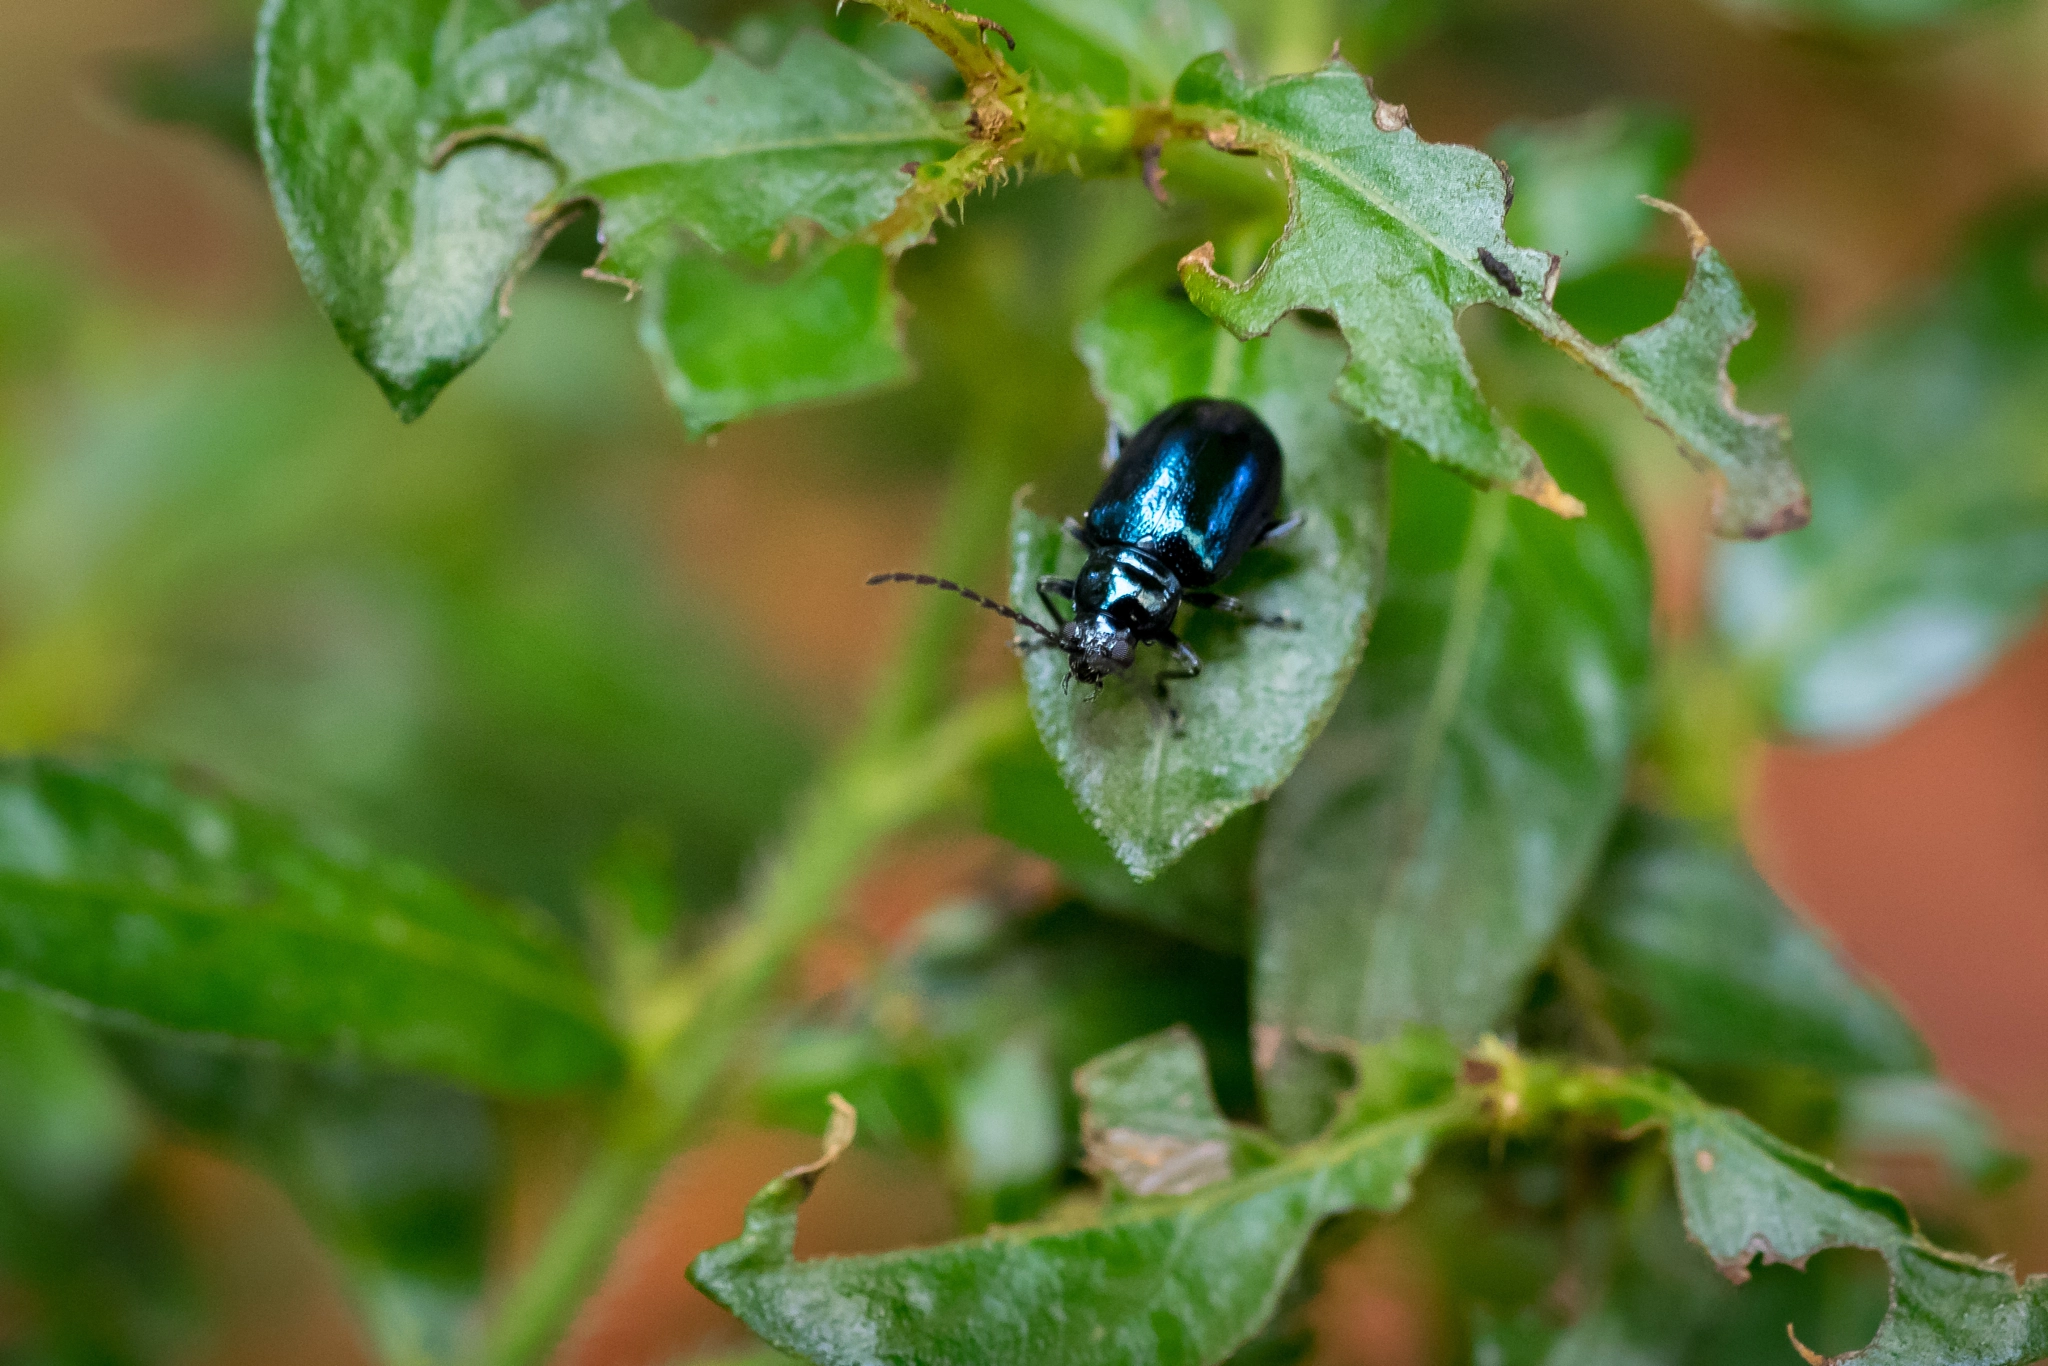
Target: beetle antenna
(930, 581)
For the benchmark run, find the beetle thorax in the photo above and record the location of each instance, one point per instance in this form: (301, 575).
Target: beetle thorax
(1121, 596)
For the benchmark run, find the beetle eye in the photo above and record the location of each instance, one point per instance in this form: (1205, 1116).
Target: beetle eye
(1121, 650)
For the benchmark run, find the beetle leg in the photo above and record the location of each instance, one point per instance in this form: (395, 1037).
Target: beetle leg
(1077, 531)
(1279, 530)
(1223, 602)
(1191, 667)
(1047, 586)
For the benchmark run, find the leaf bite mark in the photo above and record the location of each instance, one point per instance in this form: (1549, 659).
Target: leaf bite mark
(1368, 210)
(839, 1135)
(1493, 265)
(1158, 1164)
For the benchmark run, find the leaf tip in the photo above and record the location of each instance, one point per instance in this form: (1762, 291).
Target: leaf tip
(839, 1133)
(1541, 488)
(1695, 236)
(1789, 515)
(1806, 1354)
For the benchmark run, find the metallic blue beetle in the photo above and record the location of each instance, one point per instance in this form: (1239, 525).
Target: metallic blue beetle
(1185, 498)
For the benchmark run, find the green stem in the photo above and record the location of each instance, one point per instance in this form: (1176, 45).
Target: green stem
(690, 1036)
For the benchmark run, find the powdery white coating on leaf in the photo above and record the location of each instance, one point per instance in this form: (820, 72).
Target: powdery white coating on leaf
(1394, 237)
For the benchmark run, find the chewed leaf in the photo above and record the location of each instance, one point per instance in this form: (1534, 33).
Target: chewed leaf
(1160, 1281)
(1747, 1194)
(408, 259)
(1394, 237)
(728, 339)
(1149, 1120)
(1264, 691)
(666, 133)
(1580, 183)
(422, 152)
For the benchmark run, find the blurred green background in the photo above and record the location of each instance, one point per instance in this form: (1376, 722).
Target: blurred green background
(539, 627)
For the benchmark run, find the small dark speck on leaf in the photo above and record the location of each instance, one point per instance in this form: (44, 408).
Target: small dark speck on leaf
(908, 168)
(1500, 272)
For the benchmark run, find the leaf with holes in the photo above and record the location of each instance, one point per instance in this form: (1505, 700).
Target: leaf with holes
(409, 261)
(1149, 1121)
(1580, 182)
(1394, 237)
(1179, 1280)
(1928, 555)
(1747, 1194)
(421, 152)
(129, 899)
(1421, 859)
(1264, 692)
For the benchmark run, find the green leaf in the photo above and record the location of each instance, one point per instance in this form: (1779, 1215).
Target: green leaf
(962, 1048)
(1929, 553)
(728, 339)
(205, 89)
(422, 154)
(1160, 1281)
(396, 1174)
(409, 261)
(1123, 51)
(67, 1130)
(1148, 1119)
(1264, 691)
(1418, 864)
(1205, 897)
(1579, 182)
(128, 899)
(1727, 973)
(1391, 236)
(1747, 1194)
(668, 134)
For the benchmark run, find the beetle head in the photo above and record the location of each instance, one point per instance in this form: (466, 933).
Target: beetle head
(1097, 647)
